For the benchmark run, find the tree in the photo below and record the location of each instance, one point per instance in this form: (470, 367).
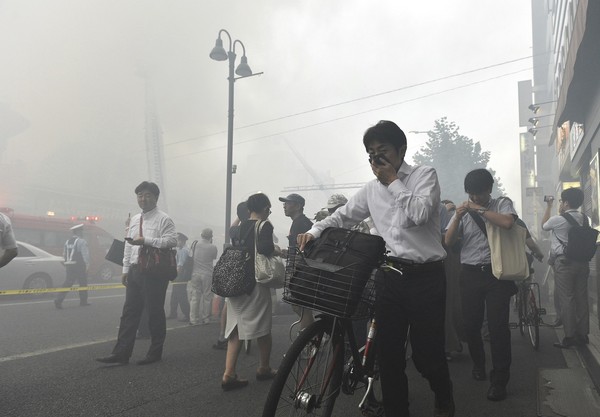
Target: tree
(453, 155)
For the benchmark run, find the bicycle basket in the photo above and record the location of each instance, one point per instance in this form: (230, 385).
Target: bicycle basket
(331, 289)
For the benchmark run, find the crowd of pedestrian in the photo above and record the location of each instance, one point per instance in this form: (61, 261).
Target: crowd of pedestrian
(446, 295)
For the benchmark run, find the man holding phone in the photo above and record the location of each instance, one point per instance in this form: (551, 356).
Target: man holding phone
(403, 202)
(155, 228)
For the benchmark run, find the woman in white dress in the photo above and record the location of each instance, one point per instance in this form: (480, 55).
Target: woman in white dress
(249, 316)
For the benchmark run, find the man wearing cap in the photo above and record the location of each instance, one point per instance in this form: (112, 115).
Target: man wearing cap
(77, 263)
(403, 202)
(200, 285)
(179, 297)
(293, 207)
(8, 243)
(154, 228)
(338, 200)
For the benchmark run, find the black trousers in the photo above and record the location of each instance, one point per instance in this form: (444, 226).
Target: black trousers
(480, 291)
(74, 273)
(149, 291)
(179, 298)
(416, 299)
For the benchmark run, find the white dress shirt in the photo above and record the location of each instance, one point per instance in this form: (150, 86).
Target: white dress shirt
(406, 214)
(560, 230)
(158, 230)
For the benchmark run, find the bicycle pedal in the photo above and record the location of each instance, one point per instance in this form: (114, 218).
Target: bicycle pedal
(513, 325)
(541, 311)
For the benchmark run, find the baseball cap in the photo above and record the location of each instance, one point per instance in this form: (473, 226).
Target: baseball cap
(336, 200)
(293, 198)
(182, 236)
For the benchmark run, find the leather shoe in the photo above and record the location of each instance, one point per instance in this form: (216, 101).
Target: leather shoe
(496, 393)
(148, 360)
(114, 359)
(478, 374)
(566, 343)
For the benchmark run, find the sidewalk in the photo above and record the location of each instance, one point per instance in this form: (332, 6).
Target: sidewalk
(573, 391)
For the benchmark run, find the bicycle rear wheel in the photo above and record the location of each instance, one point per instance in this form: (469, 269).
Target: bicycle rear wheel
(309, 377)
(520, 300)
(533, 319)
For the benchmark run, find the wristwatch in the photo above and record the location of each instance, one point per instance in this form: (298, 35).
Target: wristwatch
(481, 211)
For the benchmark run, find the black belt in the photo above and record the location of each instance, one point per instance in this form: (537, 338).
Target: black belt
(412, 266)
(478, 267)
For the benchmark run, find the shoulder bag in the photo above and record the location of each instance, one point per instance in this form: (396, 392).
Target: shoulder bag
(268, 270)
(507, 249)
(232, 276)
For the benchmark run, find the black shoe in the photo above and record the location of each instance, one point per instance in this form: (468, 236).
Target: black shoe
(478, 374)
(566, 343)
(114, 359)
(496, 393)
(58, 304)
(148, 360)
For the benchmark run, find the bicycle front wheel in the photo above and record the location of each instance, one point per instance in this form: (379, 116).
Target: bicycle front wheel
(309, 377)
(533, 319)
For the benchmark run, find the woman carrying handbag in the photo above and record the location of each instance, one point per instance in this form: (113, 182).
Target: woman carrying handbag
(249, 316)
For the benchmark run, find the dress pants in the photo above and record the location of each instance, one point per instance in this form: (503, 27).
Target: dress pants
(571, 287)
(200, 296)
(74, 273)
(149, 291)
(481, 291)
(179, 298)
(417, 299)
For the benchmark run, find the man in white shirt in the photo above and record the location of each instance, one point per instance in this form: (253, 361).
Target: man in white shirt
(7, 241)
(570, 276)
(152, 228)
(403, 202)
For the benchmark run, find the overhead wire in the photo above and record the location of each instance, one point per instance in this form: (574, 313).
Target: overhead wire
(351, 115)
(351, 100)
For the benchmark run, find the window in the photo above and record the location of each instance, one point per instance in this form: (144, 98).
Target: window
(24, 252)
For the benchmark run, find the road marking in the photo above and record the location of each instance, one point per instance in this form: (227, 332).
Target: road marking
(51, 301)
(67, 347)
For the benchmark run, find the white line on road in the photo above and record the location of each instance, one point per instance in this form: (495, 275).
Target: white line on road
(60, 348)
(51, 301)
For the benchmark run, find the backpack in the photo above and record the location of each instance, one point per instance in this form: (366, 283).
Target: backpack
(581, 245)
(188, 265)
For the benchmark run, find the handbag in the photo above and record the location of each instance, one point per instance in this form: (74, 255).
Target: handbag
(159, 263)
(507, 249)
(115, 252)
(232, 276)
(268, 270)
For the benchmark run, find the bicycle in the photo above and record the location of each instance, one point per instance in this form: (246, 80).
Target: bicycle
(325, 358)
(529, 313)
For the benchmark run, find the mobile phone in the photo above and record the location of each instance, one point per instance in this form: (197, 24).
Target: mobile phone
(548, 198)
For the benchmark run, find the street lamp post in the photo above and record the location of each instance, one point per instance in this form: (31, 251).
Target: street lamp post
(218, 53)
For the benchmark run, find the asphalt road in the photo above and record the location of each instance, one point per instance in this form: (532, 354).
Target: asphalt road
(47, 368)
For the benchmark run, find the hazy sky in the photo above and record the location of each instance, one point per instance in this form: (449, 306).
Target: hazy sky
(71, 69)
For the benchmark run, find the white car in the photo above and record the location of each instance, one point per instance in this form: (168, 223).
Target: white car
(32, 268)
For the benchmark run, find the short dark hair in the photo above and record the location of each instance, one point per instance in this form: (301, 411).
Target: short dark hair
(447, 202)
(573, 196)
(258, 202)
(387, 132)
(478, 181)
(242, 211)
(148, 186)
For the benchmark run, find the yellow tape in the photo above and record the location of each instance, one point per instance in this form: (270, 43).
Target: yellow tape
(68, 289)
